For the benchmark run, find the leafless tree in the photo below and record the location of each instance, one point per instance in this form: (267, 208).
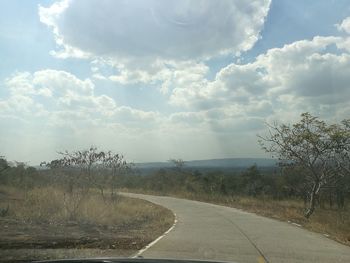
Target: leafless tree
(117, 165)
(90, 168)
(178, 163)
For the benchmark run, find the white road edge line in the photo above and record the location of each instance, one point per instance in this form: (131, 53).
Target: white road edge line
(156, 240)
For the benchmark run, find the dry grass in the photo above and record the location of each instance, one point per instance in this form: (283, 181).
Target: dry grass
(38, 205)
(41, 218)
(51, 205)
(124, 211)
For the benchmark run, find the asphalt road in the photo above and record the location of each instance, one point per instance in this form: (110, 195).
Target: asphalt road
(211, 232)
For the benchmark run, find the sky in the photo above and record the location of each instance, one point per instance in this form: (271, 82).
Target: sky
(155, 80)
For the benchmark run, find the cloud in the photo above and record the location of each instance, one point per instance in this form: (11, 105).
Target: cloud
(63, 99)
(143, 40)
(344, 25)
(72, 115)
(170, 30)
(170, 45)
(48, 91)
(304, 75)
(189, 118)
(48, 83)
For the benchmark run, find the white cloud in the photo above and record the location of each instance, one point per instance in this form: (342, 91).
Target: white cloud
(300, 76)
(344, 25)
(140, 38)
(23, 104)
(47, 91)
(67, 100)
(175, 30)
(64, 112)
(166, 46)
(48, 83)
(187, 117)
(137, 118)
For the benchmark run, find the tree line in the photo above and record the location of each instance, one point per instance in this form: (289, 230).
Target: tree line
(77, 173)
(314, 167)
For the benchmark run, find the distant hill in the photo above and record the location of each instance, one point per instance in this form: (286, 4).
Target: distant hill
(213, 163)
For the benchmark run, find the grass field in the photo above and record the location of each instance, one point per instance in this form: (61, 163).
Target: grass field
(47, 223)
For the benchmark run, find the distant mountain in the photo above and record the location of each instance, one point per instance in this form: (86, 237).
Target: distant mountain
(233, 162)
(214, 163)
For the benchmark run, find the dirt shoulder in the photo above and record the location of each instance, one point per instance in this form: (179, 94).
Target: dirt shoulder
(18, 234)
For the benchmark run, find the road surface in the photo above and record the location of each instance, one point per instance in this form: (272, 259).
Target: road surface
(212, 232)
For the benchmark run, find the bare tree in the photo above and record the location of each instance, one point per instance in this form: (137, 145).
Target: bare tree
(70, 171)
(90, 168)
(117, 166)
(178, 163)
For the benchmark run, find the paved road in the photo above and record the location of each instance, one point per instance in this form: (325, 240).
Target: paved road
(212, 232)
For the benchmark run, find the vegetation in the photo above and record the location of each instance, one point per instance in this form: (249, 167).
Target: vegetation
(72, 203)
(275, 193)
(49, 205)
(313, 178)
(273, 184)
(310, 187)
(80, 171)
(318, 150)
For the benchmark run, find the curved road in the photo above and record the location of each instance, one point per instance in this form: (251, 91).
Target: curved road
(212, 232)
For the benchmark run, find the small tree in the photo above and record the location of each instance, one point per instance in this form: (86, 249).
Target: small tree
(306, 144)
(90, 168)
(3, 164)
(252, 179)
(117, 166)
(3, 167)
(340, 138)
(67, 173)
(178, 164)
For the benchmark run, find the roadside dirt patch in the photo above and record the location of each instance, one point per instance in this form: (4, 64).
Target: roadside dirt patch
(16, 234)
